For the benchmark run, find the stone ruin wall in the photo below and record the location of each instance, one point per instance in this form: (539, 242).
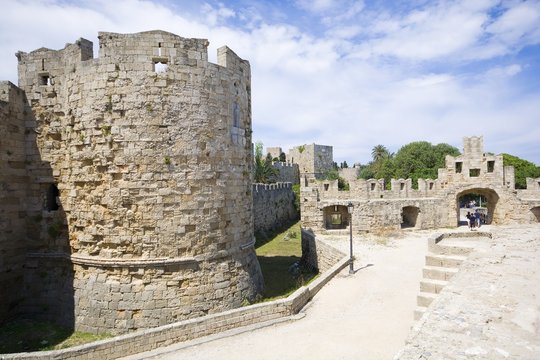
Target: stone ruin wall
(153, 170)
(436, 200)
(273, 206)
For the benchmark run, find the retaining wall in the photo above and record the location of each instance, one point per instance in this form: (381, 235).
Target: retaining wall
(318, 254)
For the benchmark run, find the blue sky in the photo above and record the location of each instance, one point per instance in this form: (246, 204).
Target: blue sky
(346, 73)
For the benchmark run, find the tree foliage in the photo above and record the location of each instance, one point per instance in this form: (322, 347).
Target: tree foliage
(416, 160)
(264, 171)
(380, 152)
(522, 169)
(332, 175)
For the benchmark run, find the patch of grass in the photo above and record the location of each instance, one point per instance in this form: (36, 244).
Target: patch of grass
(30, 335)
(278, 255)
(283, 242)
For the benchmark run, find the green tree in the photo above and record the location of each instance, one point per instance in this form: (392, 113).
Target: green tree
(264, 171)
(380, 152)
(416, 160)
(522, 169)
(334, 175)
(282, 157)
(421, 159)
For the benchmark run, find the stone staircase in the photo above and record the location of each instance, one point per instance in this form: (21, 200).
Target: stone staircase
(442, 262)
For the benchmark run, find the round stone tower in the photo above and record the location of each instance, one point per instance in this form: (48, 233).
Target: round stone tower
(150, 151)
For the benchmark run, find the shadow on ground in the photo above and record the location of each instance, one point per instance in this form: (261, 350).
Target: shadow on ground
(281, 276)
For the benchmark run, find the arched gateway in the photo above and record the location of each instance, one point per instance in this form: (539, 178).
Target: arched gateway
(491, 198)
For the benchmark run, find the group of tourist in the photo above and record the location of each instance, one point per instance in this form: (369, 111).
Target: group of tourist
(475, 219)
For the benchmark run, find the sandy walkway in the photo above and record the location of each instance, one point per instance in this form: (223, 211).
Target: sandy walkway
(364, 316)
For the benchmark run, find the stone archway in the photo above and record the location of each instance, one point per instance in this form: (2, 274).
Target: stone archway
(409, 215)
(491, 197)
(536, 213)
(335, 217)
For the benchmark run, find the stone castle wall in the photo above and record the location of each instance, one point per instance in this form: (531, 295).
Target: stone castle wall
(349, 174)
(14, 185)
(313, 160)
(150, 159)
(434, 204)
(273, 206)
(275, 152)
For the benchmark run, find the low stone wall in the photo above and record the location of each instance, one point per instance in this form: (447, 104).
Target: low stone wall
(146, 340)
(273, 205)
(318, 254)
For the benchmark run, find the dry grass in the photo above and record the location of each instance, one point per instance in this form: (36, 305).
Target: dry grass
(384, 236)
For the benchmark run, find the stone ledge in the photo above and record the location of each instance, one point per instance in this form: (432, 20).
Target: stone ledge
(98, 261)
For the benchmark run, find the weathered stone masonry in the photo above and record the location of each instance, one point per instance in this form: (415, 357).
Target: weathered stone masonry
(149, 152)
(434, 204)
(273, 206)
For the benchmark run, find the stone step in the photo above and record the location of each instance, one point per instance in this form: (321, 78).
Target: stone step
(432, 286)
(451, 261)
(418, 312)
(439, 272)
(424, 299)
(443, 249)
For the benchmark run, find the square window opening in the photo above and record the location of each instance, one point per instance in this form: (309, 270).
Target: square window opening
(490, 166)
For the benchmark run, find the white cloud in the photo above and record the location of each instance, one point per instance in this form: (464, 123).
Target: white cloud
(215, 16)
(317, 6)
(338, 89)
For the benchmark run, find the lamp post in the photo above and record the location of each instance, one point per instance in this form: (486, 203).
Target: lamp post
(350, 208)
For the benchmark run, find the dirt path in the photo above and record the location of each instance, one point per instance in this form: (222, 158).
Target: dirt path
(364, 316)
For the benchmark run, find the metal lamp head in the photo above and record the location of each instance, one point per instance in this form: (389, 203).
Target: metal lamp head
(350, 208)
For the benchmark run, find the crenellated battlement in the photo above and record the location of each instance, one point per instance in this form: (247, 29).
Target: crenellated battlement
(433, 203)
(276, 186)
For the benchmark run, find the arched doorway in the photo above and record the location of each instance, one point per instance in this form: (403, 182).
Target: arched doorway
(536, 213)
(485, 200)
(409, 215)
(335, 217)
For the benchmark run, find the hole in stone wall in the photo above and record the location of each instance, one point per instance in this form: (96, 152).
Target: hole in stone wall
(536, 213)
(401, 186)
(42, 64)
(459, 166)
(159, 49)
(52, 198)
(490, 166)
(474, 172)
(431, 186)
(160, 67)
(409, 215)
(372, 186)
(44, 79)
